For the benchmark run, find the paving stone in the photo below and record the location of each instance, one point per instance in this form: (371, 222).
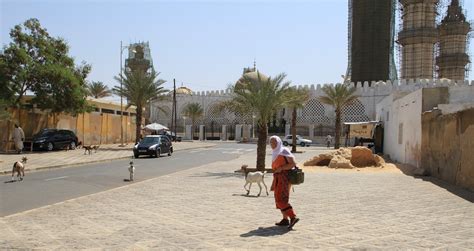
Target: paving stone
(206, 208)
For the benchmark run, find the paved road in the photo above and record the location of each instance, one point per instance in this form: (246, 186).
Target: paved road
(206, 208)
(56, 185)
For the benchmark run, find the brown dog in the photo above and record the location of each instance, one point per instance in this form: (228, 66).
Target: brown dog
(88, 149)
(19, 167)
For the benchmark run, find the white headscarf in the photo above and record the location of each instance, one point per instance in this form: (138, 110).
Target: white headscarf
(280, 150)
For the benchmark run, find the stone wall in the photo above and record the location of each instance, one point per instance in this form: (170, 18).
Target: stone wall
(314, 113)
(448, 147)
(90, 128)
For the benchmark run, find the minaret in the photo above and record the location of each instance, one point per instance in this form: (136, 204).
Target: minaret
(371, 30)
(417, 38)
(452, 60)
(139, 57)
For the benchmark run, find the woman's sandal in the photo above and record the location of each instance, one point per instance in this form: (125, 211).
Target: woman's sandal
(292, 223)
(284, 222)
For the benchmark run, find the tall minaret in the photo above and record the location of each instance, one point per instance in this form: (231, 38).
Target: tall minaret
(418, 37)
(371, 32)
(452, 60)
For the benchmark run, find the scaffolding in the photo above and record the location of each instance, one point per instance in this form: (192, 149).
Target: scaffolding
(417, 38)
(371, 31)
(452, 56)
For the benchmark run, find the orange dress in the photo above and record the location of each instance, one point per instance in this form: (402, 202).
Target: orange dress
(281, 188)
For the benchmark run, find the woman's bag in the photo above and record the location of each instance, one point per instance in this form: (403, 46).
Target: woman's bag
(295, 176)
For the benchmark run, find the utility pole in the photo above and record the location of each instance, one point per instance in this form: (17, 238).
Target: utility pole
(174, 108)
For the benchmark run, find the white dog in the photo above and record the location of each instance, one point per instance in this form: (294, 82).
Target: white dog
(253, 177)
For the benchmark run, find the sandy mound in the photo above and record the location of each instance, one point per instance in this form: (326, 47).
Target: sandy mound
(347, 158)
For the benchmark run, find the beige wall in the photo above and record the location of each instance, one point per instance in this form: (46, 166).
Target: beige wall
(447, 146)
(90, 128)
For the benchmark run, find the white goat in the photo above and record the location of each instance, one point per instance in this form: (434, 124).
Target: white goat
(253, 177)
(19, 167)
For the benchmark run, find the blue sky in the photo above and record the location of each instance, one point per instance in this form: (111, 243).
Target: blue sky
(202, 44)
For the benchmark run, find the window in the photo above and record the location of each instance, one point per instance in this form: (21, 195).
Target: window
(388, 116)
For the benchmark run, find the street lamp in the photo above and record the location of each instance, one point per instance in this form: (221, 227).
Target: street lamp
(253, 127)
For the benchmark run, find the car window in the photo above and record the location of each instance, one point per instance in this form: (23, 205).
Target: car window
(45, 133)
(289, 137)
(165, 139)
(148, 140)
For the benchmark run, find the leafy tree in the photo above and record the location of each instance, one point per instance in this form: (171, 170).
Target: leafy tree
(294, 99)
(338, 96)
(262, 96)
(38, 63)
(195, 112)
(98, 89)
(4, 114)
(140, 88)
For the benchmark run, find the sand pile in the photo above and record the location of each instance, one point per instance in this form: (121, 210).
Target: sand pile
(348, 158)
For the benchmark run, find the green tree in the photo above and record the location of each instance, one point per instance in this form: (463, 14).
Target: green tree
(338, 96)
(38, 63)
(140, 88)
(262, 96)
(295, 99)
(97, 89)
(195, 112)
(4, 114)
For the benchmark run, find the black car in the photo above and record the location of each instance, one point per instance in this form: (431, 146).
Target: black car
(153, 145)
(172, 136)
(49, 139)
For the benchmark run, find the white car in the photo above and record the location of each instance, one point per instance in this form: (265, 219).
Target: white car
(288, 140)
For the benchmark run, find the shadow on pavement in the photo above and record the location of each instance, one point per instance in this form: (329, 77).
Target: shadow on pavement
(250, 195)
(217, 175)
(460, 192)
(456, 190)
(266, 231)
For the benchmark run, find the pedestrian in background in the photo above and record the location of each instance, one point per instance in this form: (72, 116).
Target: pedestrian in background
(328, 140)
(18, 138)
(282, 161)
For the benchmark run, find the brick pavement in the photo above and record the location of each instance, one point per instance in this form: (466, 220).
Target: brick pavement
(205, 208)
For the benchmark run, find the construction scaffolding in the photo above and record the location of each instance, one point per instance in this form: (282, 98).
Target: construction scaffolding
(371, 32)
(417, 36)
(452, 56)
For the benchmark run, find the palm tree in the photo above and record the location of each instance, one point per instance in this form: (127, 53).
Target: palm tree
(338, 96)
(98, 89)
(193, 111)
(295, 98)
(140, 88)
(262, 96)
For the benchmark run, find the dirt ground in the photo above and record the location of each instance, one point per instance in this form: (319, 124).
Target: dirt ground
(388, 167)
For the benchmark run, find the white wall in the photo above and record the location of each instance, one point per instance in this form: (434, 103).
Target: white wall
(403, 145)
(461, 94)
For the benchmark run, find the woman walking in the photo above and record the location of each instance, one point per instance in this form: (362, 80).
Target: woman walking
(282, 161)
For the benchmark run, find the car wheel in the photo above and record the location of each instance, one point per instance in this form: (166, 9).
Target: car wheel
(302, 144)
(285, 143)
(136, 156)
(158, 153)
(50, 146)
(72, 146)
(170, 152)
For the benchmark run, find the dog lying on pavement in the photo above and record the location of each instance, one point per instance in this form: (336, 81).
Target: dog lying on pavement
(19, 168)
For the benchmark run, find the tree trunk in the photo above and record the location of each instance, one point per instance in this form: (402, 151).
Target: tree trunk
(293, 130)
(138, 122)
(338, 128)
(261, 146)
